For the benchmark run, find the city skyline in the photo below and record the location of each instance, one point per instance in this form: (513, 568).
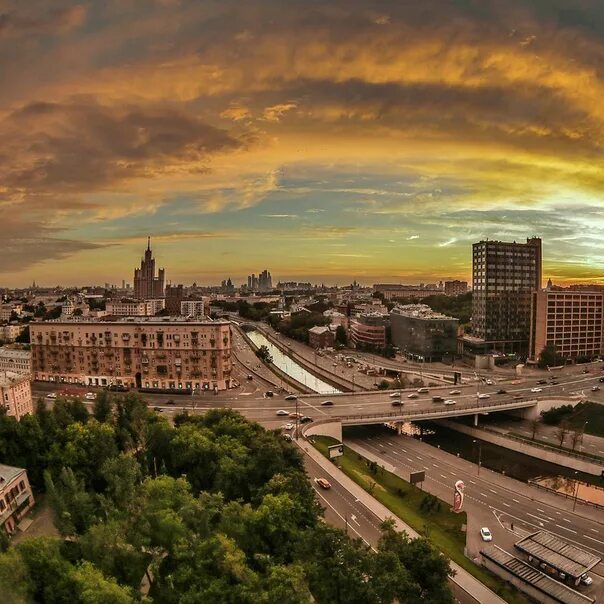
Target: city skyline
(326, 142)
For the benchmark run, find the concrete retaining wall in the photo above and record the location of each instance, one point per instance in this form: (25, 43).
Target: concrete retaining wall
(581, 465)
(324, 427)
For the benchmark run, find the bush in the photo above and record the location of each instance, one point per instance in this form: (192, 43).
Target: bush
(556, 414)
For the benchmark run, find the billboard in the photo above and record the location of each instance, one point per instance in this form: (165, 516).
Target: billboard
(458, 496)
(336, 451)
(416, 477)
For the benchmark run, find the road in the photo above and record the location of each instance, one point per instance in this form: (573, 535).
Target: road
(491, 500)
(344, 511)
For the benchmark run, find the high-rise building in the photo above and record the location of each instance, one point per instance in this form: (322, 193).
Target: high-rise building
(175, 294)
(456, 288)
(262, 282)
(146, 284)
(504, 276)
(570, 321)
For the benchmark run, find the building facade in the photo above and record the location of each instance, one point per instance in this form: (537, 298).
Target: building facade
(504, 276)
(16, 497)
(571, 321)
(147, 285)
(15, 360)
(167, 353)
(192, 308)
(134, 308)
(456, 288)
(15, 394)
(320, 336)
(9, 333)
(175, 294)
(420, 332)
(369, 330)
(395, 291)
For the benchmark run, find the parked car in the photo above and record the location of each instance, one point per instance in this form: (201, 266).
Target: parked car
(536, 389)
(453, 392)
(287, 437)
(327, 404)
(586, 579)
(323, 483)
(450, 401)
(485, 533)
(51, 395)
(484, 396)
(291, 397)
(282, 412)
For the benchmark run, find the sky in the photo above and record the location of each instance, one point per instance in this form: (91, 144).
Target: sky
(323, 140)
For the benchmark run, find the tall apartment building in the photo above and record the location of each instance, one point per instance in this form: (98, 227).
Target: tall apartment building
(15, 394)
(192, 308)
(571, 321)
(166, 353)
(146, 284)
(15, 360)
(456, 288)
(134, 308)
(419, 331)
(16, 497)
(504, 276)
(175, 294)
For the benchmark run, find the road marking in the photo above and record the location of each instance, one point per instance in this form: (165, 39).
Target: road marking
(409, 459)
(507, 505)
(565, 528)
(540, 510)
(515, 500)
(592, 539)
(443, 476)
(435, 465)
(537, 517)
(493, 491)
(484, 495)
(594, 530)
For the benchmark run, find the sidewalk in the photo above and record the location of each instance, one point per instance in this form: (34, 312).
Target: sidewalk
(462, 577)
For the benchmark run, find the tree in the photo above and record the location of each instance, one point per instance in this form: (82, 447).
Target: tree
(576, 436)
(549, 357)
(341, 336)
(535, 425)
(561, 433)
(264, 355)
(23, 337)
(93, 588)
(103, 407)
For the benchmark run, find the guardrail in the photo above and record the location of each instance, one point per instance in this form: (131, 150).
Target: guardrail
(432, 411)
(566, 495)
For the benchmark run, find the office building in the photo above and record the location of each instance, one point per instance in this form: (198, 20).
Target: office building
(569, 320)
(166, 353)
(262, 282)
(504, 276)
(134, 308)
(147, 285)
(422, 333)
(369, 331)
(15, 360)
(175, 294)
(456, 288)
(15, 394)
(16, 497)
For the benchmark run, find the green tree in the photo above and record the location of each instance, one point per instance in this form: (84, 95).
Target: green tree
(341, 337)
(549, 357)
(103, 407)
(92, 587)
(264, 355)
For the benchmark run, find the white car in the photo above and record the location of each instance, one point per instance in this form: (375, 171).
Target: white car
(282, 412)
(536, 389)
(484, 396)
(586, 579)
(288, 426)
(413, 395)
(395, 395)
(450, 401)
(489, 382)
(51, 395)
(90, 396)
(485, 533)
(423, 390)
(453, 392)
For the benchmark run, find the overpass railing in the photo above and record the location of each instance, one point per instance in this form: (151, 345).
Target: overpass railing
(440, 410)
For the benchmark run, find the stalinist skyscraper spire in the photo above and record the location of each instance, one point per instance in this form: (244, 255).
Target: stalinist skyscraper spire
(146, 285)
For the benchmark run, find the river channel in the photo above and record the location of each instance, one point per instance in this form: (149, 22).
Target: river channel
(289, 366)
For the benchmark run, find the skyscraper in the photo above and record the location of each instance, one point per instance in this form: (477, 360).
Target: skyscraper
(504, 275)
(146, 284)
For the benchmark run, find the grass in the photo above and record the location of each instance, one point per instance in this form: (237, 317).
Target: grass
(442, 528)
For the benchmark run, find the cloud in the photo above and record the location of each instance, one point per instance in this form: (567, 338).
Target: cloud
(54, 21)
(276, 112)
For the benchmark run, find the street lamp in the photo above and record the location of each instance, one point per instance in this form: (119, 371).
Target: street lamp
(583, 434)
(479, 454)
(576, 490)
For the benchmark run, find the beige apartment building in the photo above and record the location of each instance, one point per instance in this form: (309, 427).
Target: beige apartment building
(134, 308)
(16, 497)
(569, 320)
(15, 394)
(15, 359)
(167, 353)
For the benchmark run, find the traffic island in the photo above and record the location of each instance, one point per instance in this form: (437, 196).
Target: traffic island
(428, 515)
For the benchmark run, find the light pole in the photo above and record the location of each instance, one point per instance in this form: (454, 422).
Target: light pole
(479, 454)
(576, 490)
(583, 435)
(296, 418)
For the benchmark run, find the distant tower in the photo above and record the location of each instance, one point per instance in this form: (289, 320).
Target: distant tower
(549, 284)
(146, 285)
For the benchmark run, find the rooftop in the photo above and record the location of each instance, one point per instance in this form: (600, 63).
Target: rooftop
(112, 319)
(557, 553)
(9, 378)
(8, 473)
(420, 311)
(529, 574)
(14, 353)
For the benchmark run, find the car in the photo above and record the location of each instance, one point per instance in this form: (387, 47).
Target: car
(595, 388)
(413, 395)
(502, 391)
(423, 390)
(268, 393)
(601, 379)
(450, 401)
(396, 403)
(541, 382)
(250, 377)
(158, 409)
(536, 389)
(51, 395)
(554, 382)
(323, 483)
(287, 437)
(395, 395)
(586, 579)
(282, 412)
(305, 419)
(438, 399)
(295, 415)
(489, 382)
(170, 402)
(90, 396)
(455, 392)
(485, 533)
(288, 426)
(484, 396)
(291, 397)
(586, 371)
(327, 404)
